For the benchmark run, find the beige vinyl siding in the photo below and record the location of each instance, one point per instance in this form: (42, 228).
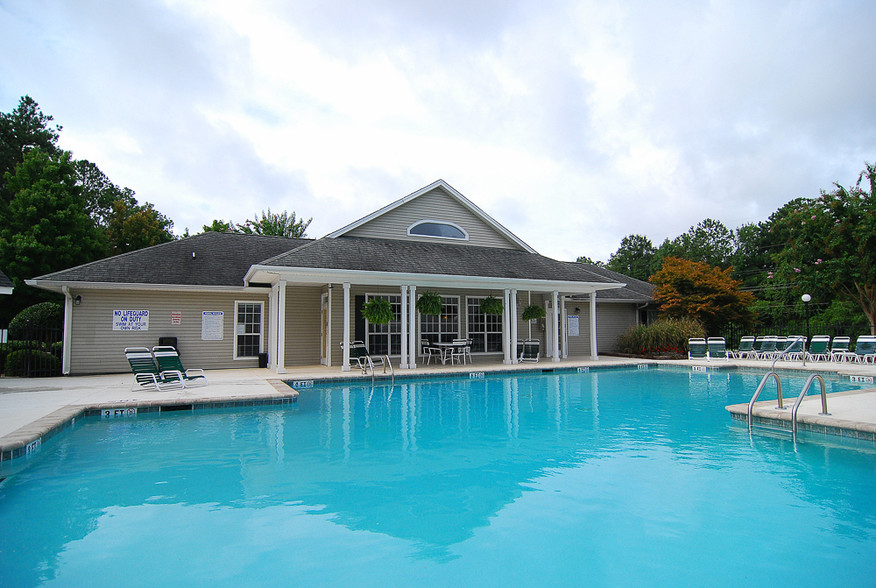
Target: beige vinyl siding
(435, 205)
(96, 348)
(613, 320)
(302, 326)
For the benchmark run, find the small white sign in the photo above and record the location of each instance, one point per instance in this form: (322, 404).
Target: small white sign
(212, 325)
(33, 446)
(302, 384)
(862, 379)
(476, 375)
(574, 325)
(176, 317)
(130, 320)
(583, 370)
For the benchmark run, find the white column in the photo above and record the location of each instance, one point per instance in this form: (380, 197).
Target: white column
(68, 331)
(328, 328)
(506, 330)
(345, 367)
(413, 343)
(594, 353)
(564, 320)
(555, 320)
(281, 328)
(405, 339)
(272, 327)
(513, 316)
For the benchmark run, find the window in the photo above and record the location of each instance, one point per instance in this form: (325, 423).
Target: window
(442, 230)
(444, 327)
(248, 329)
(484, 330)
(385, 339)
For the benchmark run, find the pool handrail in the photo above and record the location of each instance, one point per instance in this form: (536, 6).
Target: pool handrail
(758, 391)
(800, 399)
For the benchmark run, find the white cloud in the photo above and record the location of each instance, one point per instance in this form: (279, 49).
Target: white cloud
(573, 123)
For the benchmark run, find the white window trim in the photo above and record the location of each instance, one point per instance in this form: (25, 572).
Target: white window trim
(465, 236)
(460, 332)
(261, 304)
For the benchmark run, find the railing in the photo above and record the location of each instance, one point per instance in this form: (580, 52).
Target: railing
(800, 399)
(758, 391)
(34, 352)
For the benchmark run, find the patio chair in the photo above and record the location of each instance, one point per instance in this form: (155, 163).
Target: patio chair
(794, 348)
(428, 350)
(697, 348)
(146, 372)
(818, 348)
(766, 348)
(745, 349)
(717, 348)
(457, 351)
(361, 358)
(461, 351)
(839, 349)
(531, 351)
(168, 360)
(865, 349)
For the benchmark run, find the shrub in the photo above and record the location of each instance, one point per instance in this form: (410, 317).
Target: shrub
(664, 336)
(42, 315)
(16, 362)
(492, 305)
(532, 312)
(429, 303)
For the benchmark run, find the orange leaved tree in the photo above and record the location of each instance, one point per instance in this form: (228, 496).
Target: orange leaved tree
(697, 290)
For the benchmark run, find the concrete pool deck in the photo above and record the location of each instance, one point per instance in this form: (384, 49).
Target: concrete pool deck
(31, 409)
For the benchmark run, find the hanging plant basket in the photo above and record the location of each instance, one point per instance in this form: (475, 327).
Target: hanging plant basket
(532, 312)
(429, 303)
(378, 311)
(492, 305)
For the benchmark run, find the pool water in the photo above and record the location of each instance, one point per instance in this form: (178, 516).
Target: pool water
(612, 477)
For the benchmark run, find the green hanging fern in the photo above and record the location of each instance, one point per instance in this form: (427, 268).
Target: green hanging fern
(429, 303)
(492, 305)
(378, 311)
(532, 312)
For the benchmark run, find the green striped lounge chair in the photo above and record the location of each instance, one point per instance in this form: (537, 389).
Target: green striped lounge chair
(767, 347)
(839, 349)
(745, 349)
(717, 347)
(167, 358)
(819, 348)
(147, 375)
(531, 351)
(697, 348)
(865, 349)
(794, 348)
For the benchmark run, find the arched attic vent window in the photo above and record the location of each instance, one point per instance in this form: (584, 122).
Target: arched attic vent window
(439, 229)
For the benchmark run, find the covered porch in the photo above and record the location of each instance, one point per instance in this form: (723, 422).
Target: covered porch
(494, 338)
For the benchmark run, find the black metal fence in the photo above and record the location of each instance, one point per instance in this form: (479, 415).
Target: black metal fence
(36, 352)
(732, 333)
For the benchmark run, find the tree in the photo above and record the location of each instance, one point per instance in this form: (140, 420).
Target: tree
(44, 227)
(585, 259)
(278, 224)
(634, 257)
(132, 226)
(686, 288)
(220, 226)
(21, 130)
(831, 244)
(709, 242)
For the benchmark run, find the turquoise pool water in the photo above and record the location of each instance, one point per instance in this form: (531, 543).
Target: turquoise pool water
(615, 477)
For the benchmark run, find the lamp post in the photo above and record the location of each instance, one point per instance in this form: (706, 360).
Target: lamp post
(806, 298)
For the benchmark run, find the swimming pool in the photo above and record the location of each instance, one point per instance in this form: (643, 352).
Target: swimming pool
(611, 477)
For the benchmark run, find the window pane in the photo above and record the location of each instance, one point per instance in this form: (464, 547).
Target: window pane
(248, 329)
(430, 229)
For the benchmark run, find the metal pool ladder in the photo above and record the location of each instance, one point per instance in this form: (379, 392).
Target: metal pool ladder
(369, 365)
(797, 402)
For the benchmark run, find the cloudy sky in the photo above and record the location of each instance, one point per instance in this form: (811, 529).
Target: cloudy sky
(573, 123)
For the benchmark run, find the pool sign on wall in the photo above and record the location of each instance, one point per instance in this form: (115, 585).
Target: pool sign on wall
(130, 320)
(212, 323)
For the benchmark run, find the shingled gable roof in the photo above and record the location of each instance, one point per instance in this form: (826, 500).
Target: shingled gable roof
(362, 254)
(448, 189)
(5, 284)
(634, 290)
(210, 259)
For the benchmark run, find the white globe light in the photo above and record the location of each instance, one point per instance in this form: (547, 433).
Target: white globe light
(806, 298)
